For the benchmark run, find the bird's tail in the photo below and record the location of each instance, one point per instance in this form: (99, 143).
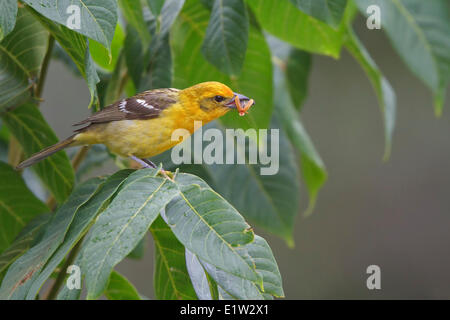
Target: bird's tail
(46, 152)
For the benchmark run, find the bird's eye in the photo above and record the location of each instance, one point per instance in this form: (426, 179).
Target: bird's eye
(219, 98)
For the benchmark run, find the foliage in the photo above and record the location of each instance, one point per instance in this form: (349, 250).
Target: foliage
(204, 246)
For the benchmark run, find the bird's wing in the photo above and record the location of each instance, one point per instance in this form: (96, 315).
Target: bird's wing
(146, 105)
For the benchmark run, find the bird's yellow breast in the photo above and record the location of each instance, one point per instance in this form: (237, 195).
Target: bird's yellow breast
(144, 138)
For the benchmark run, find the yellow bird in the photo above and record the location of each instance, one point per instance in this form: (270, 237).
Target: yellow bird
(141, 126)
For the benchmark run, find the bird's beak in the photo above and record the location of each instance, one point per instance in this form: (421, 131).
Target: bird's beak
(243, 99)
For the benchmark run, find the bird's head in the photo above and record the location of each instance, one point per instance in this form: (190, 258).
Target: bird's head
(213, 99)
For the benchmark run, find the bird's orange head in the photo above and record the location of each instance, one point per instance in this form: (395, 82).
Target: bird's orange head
(210, 100)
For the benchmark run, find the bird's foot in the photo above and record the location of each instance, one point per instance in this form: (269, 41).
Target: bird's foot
(145, 163)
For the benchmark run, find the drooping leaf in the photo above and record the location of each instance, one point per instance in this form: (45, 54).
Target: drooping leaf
(115, 84)
(210, 227)
(29, 127)
(159, 73)
(190, 67)
(282, 19)
(298, 66)
(100, 54)
(21, 55)
(329, 11)
(119, 288)
(122, 225)
(23, 241)
(97, 19)
(155, 6)
(77, 48)
(169, 12)
(312, 167)
(171, 278)
(8, 13)
(159, 61)
(18, 205)
(419, 32)
(383, 90)
(134, 55)
(61, 55)
(86, 213)
(25, 269)
(133, 12)
(226, 37)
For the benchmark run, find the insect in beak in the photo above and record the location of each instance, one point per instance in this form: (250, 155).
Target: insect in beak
(241, 103)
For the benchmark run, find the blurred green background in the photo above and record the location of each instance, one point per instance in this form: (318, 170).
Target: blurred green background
(395, 215)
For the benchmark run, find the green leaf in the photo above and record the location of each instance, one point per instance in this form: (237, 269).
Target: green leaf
(155, 6)
(266, 266)
(77, 48)
(119, 288)
(419, 32)
(101, 56)
(198, 276)
(274, 202)
(383, 90)
(122, 225)
(210, 227)
(79, 226)
(272, 207)
(18, 205)
(134, 56)
(133, 12)
(226, 37)
(115, 84)
(67, 293)
(23, 241)
(25, 269)
(329, 11)
(298, 66)
(169, 12)
(255, 80)
(159, 73)
(313, 169)
(138, 251)
(159, 68)
(231, 286)
(282, 19)
(97, 18)
(29, 127)
(8, 13)
(171, 279)
(21, 55)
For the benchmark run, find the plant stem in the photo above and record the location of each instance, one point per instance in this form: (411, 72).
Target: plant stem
(44, 67)
(62, 273)
(76, 161)
(79, 157)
